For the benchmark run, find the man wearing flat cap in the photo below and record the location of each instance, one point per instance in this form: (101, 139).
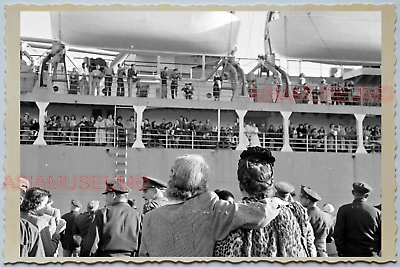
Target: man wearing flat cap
(321, 222)
(116, 228)
(70, 246)
(153, 193)
(285, 192)
(358, 226)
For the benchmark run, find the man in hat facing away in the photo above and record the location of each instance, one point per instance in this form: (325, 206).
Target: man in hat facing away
(70, 246)
(116, 228)
(321, 222)
(153, 193)
(83, 221)
(358, 226)
(285, 192)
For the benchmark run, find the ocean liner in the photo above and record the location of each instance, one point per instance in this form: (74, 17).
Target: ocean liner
(324, 130)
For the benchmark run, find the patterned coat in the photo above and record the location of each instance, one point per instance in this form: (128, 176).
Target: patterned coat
(288, 235)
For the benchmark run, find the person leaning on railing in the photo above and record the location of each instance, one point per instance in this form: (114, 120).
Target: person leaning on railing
(120, 128)
(33, 130)
(83, 130)
(130, 125)
(109, 73)
(24, 127)
(155, 135)
(91, 131)
(97, 75)
(74, 81)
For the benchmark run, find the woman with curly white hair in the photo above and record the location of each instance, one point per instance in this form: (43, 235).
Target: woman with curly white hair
(191, 226)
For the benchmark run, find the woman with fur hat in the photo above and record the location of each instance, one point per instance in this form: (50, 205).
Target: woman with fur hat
(191, 226)
(286, 235)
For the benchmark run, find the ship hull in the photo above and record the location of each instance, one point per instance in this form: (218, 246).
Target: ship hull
(80, 172)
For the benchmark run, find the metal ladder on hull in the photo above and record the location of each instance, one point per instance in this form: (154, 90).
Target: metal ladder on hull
(121, 157)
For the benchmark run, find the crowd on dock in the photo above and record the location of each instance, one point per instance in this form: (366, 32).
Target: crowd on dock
(183, 218)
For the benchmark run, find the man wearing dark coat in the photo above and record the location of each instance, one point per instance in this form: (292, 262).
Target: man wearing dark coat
(70, 246)
(116, 228)
(153, 193)
(321, 222)
(358, 226)
(82, 223)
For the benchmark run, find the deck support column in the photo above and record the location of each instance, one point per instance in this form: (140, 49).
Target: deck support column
(219, 125)
(360, 139)
(158, 66)
(203, 67)
(139, 117)
(286, 146)
(42, 121)
(241, 114)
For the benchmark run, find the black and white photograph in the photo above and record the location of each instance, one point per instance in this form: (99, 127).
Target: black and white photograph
(204, 134)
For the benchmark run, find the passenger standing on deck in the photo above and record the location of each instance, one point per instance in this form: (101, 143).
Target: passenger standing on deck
(164, 82)
(358, 226)
(132, 78)
(191, 226)
(254, 139)
(97, 75)
(130, 125)
(84, 82)
(174, 83)
(100, 137)
(321, 222)
(109, 73)
(116, 228)
(217, 86)
(70, 246)
(74, 81)
(110, 127)
(120, 80)
(153, 193)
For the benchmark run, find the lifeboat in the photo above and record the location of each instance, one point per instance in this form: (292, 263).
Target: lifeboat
(212, 33)
(342, 38)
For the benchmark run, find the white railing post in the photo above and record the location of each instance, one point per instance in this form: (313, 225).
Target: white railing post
(325, 144)
(166, 138)
(306, 142)
(115, 136)
(192, 139)
(263, 140)
(79, 136)
(336, 144)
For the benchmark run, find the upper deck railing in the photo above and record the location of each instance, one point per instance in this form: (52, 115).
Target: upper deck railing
(149, 86)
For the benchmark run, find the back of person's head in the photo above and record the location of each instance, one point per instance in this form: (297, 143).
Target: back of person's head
(92, 206)
(23, 186)
(189, 177)
(328, 208)
(255, 172)
(33, 198)
(224, 194)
